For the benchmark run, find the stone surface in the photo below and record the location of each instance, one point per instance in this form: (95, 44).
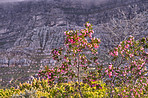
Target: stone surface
(16, 19)
(29, 30)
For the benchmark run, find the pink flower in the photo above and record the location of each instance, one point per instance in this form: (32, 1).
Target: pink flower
(116, 48)
(58, 70)
(86, 31)
(128, 41)
(49, 76)
(71, 40)
(93, 38)
(116, 74)
(142, 64)
(106, 71)
(92, 31)
(111, 54)
(82, 65)
(90, 35)
(69, 65)
(131, 55)
(89, 45)
(140, 72)
(96, 46)
(98, 40)
(110, 66)
(94, 80)
(93, 85)
(49, 73)
(79, 34)
(119, 46)
(127, 45)
(116, 53)
(84, 43)
(124, 74)
(62, 71)
(136, 93)
(110, 74)
(88, 24)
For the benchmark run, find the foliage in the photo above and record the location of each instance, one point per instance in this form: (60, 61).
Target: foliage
(8, 92)
(125, 74)
(72, 59)
(41, 88)
(26, 94)
(130, 73)
(124, 79)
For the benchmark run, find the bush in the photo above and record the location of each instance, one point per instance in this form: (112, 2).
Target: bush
(127, 79)
(41, 88)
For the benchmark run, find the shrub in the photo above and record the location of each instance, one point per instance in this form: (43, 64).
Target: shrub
(126, 79)
(41, 88)
(125, 74)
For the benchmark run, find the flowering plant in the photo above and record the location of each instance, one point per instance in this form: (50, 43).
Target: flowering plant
(75, 62)
(131, 70)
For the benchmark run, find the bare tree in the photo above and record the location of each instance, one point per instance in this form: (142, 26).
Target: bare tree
(118, 30)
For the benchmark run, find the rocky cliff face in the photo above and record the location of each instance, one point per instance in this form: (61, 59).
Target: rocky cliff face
(30, 29)
(18, 18)
(40, 24)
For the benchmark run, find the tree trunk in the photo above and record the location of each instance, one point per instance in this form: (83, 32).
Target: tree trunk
(78, 66)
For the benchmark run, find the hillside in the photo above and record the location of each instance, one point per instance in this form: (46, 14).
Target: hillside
(19, 18)
(30, 29)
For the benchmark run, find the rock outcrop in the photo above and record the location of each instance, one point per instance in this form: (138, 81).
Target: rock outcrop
(39, 25)
(18, 18)
(30, 29)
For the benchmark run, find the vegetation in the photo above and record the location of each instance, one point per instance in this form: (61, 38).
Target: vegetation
(78, 74)
(41, 88)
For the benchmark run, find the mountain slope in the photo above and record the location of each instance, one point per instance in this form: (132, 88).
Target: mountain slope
(18, 18)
